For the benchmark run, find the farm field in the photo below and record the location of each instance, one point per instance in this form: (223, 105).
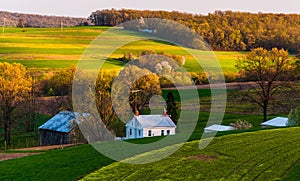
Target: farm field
(261, 155)
(53, 48)
(235, 155)
(68, 163)
(62, 164)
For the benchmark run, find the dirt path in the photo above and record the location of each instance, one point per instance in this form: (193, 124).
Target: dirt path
(43, 148)
(229, 86)
(8, 156)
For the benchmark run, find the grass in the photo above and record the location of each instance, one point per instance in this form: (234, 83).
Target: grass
(62, 164)
(261, 155)
(186, 92)
(53, 48)
(75, 162)
(22, 139)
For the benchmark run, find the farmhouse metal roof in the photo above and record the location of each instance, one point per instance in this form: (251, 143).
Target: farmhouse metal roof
(276, 122)
(61, 122)
(151, 121)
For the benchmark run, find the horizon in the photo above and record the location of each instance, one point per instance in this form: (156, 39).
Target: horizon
(29, 13)
(81, 9)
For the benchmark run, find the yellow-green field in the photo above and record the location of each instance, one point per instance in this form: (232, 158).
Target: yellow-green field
(53, 48)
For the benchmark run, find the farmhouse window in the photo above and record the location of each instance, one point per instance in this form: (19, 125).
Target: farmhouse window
(130, 131)
(149, 133)
(168, 132)
(162, 132)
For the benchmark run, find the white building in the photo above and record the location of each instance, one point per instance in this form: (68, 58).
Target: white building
(141, 126)
(217, 127)
(276, 122)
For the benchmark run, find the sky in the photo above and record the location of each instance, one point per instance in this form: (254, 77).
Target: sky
(83, 8)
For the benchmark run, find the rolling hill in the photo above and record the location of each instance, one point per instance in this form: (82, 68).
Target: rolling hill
(261, 155)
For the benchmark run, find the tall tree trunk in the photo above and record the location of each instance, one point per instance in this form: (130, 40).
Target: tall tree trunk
(7, 131)
(265, 110)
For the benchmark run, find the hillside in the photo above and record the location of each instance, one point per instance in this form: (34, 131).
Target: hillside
(35, 20)
(222, 30)
(262, 155)
(53, 48)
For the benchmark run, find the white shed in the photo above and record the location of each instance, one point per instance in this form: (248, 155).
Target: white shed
(276, 122)
(141, 126)
(217, 127)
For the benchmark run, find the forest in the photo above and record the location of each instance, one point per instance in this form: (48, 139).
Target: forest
(222, 30)
(35, 20)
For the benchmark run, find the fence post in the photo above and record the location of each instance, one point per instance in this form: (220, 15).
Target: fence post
(4, 145)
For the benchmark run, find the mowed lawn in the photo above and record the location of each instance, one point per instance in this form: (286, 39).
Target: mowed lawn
(53, 48)
(262, 155)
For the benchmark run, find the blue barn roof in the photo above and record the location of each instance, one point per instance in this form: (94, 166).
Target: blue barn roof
(61, 122)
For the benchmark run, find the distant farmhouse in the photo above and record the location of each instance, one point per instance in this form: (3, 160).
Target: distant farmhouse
(141, 126)
(59, 129)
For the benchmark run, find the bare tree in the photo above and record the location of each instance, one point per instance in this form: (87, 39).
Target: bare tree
(271, 71)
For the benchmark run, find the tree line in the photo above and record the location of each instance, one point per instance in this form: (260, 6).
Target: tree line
(34, 20)
(222, 30)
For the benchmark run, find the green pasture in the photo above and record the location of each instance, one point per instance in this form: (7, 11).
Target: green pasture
(62, 164)
(235, 156)
(261, 155)
(56, 48)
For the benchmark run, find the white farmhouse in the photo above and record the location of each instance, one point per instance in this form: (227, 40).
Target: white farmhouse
(141, 126)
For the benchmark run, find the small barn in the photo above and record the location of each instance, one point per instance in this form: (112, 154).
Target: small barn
(58, 130)
(141, 126)
(217, 127)
(275, 122)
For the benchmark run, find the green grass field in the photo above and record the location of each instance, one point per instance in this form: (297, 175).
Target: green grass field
(62, 164)
(53, 48)
(262, 155)
(75, 162)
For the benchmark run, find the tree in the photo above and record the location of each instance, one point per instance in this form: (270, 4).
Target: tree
(172, 107)
(294, 117)
(61, 81)
(136, 86)
(21, 23)
(103, 96)
(15, 85)
(297, 67)
(270, 70)
(60, 85)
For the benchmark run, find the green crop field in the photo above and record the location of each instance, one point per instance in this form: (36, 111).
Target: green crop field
(262, 155)
(75, 162)
(53, 48)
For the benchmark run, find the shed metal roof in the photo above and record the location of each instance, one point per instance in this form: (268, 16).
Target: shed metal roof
(276, 122)
(61, 122)
(218, 127)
